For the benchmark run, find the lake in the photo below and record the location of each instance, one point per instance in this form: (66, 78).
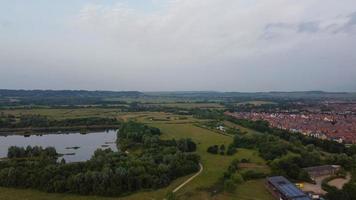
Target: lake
(63, 143)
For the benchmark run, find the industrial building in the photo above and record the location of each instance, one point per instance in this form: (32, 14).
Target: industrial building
(282, 189)
(324, 170)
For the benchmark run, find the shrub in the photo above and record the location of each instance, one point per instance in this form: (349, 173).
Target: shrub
(252, 174)
(229, 185)
(213, 149)
(231, 150)
(237, 177)
(244, 160)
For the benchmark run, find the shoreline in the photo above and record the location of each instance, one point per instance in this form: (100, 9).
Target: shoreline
(54, 130)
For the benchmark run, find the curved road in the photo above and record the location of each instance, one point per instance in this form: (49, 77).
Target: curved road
(190, 179)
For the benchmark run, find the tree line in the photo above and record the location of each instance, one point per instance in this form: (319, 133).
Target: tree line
(30, 152)
(216, 149)
(24, 121)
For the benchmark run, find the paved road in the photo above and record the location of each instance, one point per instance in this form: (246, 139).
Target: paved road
(190, 179)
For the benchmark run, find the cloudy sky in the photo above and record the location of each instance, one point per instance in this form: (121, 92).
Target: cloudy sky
(155, 45)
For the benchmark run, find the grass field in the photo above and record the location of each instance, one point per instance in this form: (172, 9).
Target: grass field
(65, 113)
(214, 165)
(174, 126)
(243, 129)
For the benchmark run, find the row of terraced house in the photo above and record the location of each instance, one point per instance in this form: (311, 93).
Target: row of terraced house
(340, 128)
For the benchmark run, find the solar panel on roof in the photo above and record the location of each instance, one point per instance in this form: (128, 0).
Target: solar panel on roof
(287, 188)
(301, 198)
(290, 190)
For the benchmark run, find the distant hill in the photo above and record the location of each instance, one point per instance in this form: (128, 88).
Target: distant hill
(65, 93)
(258, 95)
(62, 97)
(85, 97)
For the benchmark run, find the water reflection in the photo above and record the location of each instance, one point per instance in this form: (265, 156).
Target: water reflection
(75, 146)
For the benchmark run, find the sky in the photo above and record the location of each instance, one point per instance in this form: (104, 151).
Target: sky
(185, 45)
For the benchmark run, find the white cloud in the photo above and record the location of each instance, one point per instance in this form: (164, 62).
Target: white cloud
(201, 44)
(196, 30)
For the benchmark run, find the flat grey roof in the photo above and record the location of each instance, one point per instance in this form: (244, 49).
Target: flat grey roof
(321, 168)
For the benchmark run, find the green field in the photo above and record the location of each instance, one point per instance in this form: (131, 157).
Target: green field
(174, 126)
(214, 165)
(242, 129)
(65, 113)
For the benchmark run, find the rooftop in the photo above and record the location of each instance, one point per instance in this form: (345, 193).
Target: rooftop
(287, 188)
(321, 168)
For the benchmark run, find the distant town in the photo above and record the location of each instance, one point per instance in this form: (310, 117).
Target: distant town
(332, 120)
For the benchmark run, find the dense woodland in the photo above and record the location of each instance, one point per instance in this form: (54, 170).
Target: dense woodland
(34, 121)
(107, 173)
(263, 126)
(31, 152)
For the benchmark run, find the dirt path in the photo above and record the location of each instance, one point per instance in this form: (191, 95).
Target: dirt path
(317, 188)
(340, 182)
(190, 179)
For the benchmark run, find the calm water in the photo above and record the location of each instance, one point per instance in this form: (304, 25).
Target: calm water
(88, 143)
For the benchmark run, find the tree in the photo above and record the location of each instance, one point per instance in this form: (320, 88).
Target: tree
(186, 145)
(352, 150)
(213, 149)
(350, 190)
(231, 150)
(222, 149)
(237, 178)
(229, 185)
